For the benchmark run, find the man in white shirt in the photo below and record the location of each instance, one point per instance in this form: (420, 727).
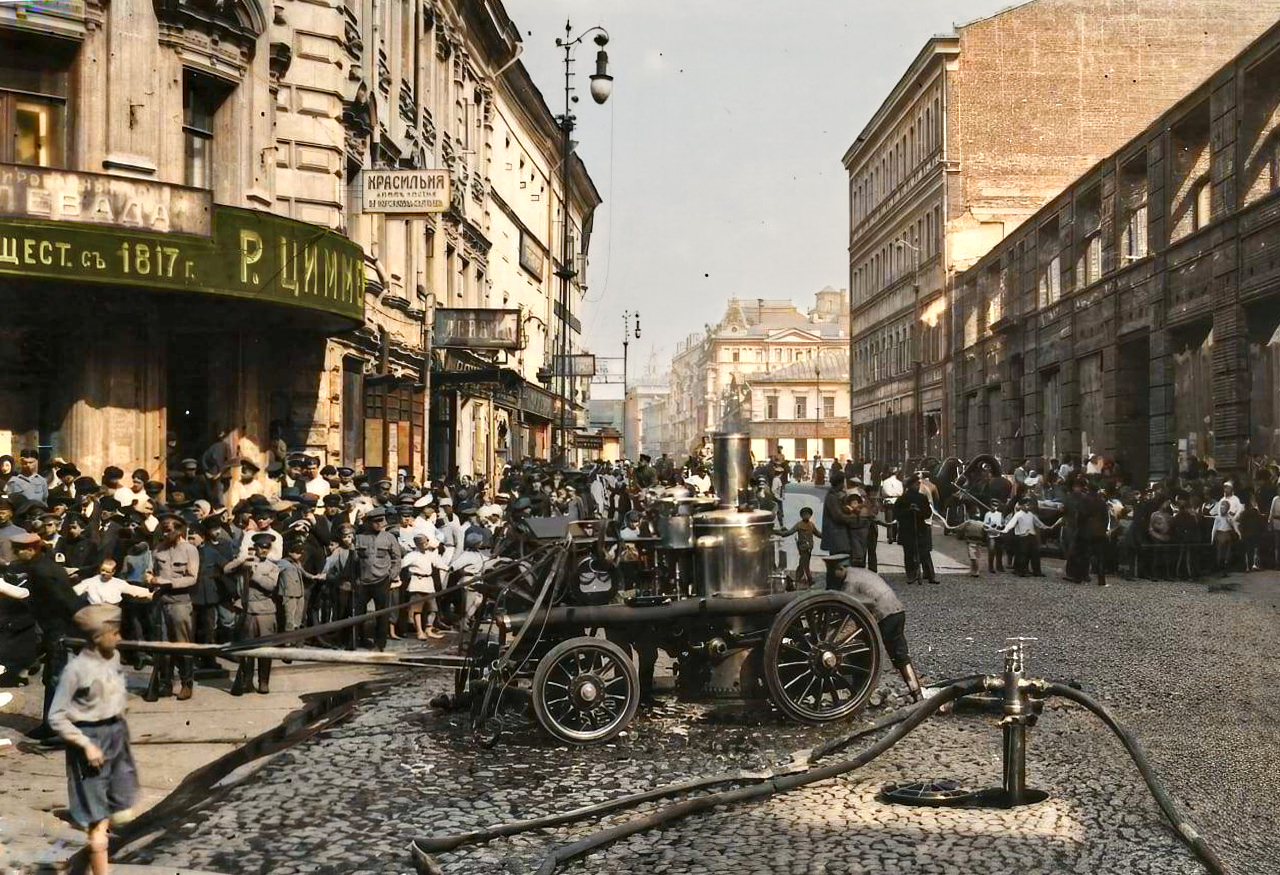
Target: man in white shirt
(315, 484)
(890, 491)
(107, 589)
(1025, 527)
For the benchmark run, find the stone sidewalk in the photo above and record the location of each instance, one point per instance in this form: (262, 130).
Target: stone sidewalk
(171, 740)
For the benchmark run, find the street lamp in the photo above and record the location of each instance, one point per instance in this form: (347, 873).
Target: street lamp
(627, 316)
(601, 88)
(916, 430)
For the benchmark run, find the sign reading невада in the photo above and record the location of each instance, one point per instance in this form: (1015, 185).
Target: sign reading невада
(97, 199)
(406, 191)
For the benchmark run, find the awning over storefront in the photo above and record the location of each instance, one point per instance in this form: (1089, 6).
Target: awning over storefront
(86, 227)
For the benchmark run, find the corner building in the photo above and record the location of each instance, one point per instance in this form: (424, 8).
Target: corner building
(184, 251)
(985, 126)
(1137, 314)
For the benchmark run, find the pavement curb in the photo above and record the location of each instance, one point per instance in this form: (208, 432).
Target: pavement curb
(327, 709)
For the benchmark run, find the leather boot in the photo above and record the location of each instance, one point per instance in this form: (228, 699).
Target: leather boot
(184, 693)
(908, 672)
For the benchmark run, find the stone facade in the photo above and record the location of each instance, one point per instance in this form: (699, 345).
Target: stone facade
(235, 110)
(984, 127)
(1137, 314)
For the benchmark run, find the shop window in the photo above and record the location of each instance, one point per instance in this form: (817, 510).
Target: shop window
(33, 100)
(201, 97)
(828, 448)
(802, 448)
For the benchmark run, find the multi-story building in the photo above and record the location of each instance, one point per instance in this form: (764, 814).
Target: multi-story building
(1137, 315)
(802, 410)
(984, 127)
(646, 392)
(184, 240)
(711, 373)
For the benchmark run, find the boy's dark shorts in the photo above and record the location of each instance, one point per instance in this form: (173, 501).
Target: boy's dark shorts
(96, 794)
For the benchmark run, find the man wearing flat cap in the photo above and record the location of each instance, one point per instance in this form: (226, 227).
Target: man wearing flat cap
(52, 604)
(246, 484)
(379, 552)
(28, 483)
(176, 564)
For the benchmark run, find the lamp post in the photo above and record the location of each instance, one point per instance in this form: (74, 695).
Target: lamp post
(627, 316)
(916, 430)
(601, 88)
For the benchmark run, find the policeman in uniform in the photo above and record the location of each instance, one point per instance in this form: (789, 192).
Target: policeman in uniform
(259, 581)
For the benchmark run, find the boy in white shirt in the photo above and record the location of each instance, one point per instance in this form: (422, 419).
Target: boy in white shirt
(107, 589)
(993, 524)
(421, 564)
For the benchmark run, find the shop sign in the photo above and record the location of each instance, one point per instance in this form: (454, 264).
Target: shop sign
(461, 328)
(577, 365)
(250, 255)
(538, 402)
(98, 199)
(406, 191)
(588, 441)
(532, 257)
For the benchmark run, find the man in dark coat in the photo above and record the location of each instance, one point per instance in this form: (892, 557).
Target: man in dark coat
(836, 521)
(913, 514)
(52, 604)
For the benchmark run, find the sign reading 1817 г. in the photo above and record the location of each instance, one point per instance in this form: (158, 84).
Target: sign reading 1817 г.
(406, 191)
(249, 255)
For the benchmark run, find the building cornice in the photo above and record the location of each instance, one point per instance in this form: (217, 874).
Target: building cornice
(937, 50)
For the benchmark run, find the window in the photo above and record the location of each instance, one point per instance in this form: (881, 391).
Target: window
(771, 407)
(33, 101)
(1204, 203)
(1132, 208)
(777, 354)
(802, 407)
(734, 355)
(201, 97)
(802, 448)
(828, 406)
(828, 448)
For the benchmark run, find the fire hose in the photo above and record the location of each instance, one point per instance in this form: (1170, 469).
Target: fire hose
(796, 775)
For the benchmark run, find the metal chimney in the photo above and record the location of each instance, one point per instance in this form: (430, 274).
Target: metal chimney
(732, 473)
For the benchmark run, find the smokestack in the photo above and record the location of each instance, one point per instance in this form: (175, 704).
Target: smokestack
(732, 475)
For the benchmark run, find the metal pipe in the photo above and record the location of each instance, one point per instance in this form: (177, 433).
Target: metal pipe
(595, 615)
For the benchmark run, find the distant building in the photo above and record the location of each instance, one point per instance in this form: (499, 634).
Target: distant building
(640, 397)
(711, 372)
(802, 410)
(1137, 315)
(985, 126)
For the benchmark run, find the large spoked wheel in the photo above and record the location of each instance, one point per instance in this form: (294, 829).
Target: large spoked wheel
(585, 691)
(822, 657)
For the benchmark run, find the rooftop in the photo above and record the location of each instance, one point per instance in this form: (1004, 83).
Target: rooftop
(832, 365)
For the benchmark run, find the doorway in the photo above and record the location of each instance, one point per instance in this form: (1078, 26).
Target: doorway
(188, 393)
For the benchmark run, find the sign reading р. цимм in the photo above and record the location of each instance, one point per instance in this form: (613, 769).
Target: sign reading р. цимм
(406, 191)
(250, 255)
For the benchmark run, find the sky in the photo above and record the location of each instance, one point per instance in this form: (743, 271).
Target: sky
(718, 154)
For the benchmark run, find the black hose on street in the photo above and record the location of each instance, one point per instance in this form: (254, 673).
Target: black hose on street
(1187, 832)
(923, 711)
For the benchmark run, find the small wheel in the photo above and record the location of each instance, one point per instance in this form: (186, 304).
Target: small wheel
(585, 691)
(822, 657)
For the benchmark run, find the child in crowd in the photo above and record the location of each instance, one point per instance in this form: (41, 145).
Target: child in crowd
(1225, 532)
(107, 589)
(88, 714)
(293, 585)
(805, 531)
(421, 565)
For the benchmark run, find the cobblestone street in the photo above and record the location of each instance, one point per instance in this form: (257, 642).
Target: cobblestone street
(1187, 668)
